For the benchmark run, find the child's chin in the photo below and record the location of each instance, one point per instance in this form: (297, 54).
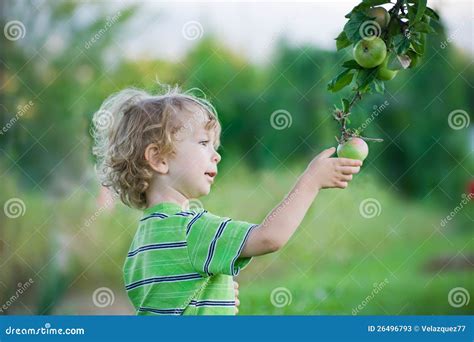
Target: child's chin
(202, 192)
(206, 190)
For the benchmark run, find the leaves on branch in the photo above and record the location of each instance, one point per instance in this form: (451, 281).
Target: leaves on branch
(404, 36)
(341, 80)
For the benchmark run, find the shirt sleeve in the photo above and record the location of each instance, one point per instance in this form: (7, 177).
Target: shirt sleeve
(215, 243)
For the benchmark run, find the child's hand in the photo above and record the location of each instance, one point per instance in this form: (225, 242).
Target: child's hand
(325, 172)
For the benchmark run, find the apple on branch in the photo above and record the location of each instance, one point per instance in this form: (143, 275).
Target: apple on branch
(384, 73)
(380, 15)
(369, 53)
(353, 148)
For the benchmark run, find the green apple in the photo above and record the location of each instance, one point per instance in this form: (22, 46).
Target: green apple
(354, 148)
(369, 53)
(382, 17)
(384, 73)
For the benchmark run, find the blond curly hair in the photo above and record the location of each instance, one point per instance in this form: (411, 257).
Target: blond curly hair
(128, 121)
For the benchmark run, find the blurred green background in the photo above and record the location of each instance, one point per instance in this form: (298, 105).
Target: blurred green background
(399, 240)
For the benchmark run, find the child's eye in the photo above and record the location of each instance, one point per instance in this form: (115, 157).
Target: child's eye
(204, 142)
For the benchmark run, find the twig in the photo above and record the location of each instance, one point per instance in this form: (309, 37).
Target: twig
(371, 139)
(357, 96)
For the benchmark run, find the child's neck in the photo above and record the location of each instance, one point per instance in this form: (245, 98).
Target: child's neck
(168, 194)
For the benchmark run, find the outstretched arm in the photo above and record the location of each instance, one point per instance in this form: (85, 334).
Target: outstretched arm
(280, 224)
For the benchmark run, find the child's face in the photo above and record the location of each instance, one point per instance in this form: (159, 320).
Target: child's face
(193, 167)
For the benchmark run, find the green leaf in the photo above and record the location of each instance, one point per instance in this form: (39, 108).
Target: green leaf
(351, 28)
(418, 42)
(375, 2)
(420, 10)
(365, 76)
(401, 43)
(423, 27)
(397, 62)
(414, 58)
(393, 62)
(351, 64)
(411, 52)
(365, 89)
(359, 8)
(345, 105)
(394, 28)
(379, 86)
(342, 41)
(341, 80)
(431, 12)
(365, 4)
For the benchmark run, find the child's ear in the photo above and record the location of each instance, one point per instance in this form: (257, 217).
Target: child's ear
(157, 163)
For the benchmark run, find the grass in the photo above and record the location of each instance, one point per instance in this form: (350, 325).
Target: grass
(330, 266)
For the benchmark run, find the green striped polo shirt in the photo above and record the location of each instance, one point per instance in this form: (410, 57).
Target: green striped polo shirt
(183, 262)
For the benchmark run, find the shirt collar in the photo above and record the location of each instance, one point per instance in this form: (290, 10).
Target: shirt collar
(166, 207)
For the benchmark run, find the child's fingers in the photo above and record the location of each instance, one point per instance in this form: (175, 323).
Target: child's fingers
(341, 184)
(349, 170)
(237, 302)
(346, 178)
(236, 292)
(349, 162)
(326, 153)
(236, 285)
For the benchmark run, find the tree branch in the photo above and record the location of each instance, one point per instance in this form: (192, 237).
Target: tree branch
(341, 116)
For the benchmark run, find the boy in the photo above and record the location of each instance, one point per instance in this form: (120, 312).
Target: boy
(158, 153)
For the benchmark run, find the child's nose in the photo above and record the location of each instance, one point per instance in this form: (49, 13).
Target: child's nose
(217, 158)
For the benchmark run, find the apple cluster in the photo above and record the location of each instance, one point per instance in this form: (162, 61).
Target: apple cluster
(383, 43)
(371, 52)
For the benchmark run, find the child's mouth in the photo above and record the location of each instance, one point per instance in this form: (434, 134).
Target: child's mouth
(211, 175)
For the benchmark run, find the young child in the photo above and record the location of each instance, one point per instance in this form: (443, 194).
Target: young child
(160, 151)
